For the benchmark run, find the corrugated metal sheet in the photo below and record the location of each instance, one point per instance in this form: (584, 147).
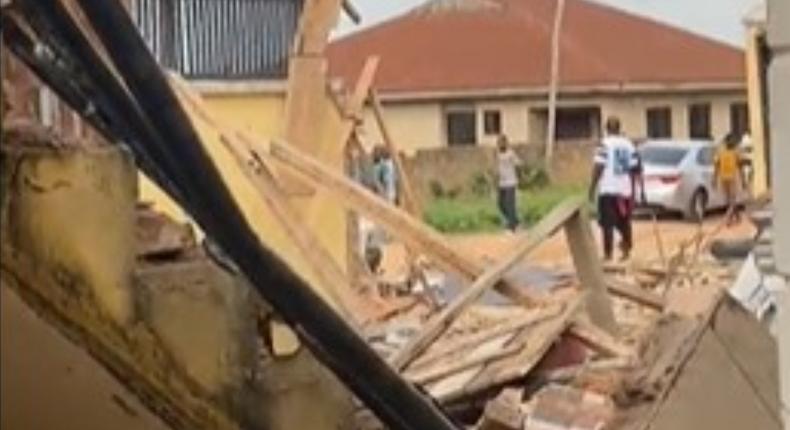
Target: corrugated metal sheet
(220, 39)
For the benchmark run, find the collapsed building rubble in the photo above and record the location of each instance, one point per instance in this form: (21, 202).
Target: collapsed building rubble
(602, 349)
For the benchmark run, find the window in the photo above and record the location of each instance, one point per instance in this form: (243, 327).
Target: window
(492, 122)
(578, 123)
(461, 127)
(739, 118)
(662, 155)
(699, 121)
(659, 123)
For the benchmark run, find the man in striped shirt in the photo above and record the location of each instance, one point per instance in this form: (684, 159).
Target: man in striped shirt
(615, 168)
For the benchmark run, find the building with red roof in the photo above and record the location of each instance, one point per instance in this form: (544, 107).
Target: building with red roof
(457, 72)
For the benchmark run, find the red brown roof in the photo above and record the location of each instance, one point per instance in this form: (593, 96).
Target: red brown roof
(508, 47)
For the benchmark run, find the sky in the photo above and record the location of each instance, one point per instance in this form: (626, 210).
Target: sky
(719, 19)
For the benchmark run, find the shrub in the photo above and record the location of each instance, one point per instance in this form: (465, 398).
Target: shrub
(532, 177)
(481, 185)
(436, 188)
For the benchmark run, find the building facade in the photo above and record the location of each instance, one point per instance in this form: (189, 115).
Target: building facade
(461, 72)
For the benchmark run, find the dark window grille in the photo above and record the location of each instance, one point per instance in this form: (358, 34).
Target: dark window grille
(220, 39)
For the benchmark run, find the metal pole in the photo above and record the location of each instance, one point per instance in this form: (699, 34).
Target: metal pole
(551, 127)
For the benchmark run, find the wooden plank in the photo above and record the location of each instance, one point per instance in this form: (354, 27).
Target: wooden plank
(356, 102)
(588, 267)
(599, 339)
(316, 22)
(436, 325)
(635, 294)
(363, 87)
(435, 374)
(538, 341)
(466, 343)
(408, 196)
(326, 270)
(405, 227)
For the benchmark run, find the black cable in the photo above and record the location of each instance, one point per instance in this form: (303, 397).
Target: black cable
(396, 402)
(55, 24)
(25, 49)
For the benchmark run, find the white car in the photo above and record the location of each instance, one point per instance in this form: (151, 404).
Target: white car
(678, 177)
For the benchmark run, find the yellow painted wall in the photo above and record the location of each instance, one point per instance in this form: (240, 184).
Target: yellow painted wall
(262, 115)
(756, 111)
(412, 126)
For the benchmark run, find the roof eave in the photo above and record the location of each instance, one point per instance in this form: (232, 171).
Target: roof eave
(568, 90)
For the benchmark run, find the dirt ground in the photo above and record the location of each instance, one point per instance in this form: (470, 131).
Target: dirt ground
(553, 253)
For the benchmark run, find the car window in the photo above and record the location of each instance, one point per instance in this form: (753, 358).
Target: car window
(662, 155)
(705, 156)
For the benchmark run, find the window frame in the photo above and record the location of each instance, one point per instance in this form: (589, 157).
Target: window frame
(465, 110)
(692, 130)
(664, 116)
(495, 117)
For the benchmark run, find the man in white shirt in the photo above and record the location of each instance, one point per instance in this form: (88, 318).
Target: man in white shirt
(615, 168)
(507, 182)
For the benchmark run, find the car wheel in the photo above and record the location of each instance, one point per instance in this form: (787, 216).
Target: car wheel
(698, 206)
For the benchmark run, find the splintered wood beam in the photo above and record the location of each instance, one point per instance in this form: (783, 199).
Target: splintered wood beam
(333, 281)
(636, 294)
(402, 225)
(467, 342)
(364, 84)
(589, 271)
(356, 102)
(536, 342)
(599, 339)
(409, 198)
(441, 321)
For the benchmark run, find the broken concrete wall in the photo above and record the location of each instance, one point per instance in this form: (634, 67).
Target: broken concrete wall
(73, 209)
(456, 169)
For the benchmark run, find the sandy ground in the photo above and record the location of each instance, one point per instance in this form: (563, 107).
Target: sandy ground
(553, 253)
(48, 383)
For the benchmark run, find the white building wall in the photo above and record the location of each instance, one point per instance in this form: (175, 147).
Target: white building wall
(421, 124)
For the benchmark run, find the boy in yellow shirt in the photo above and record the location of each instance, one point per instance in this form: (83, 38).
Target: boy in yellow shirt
(728, 175)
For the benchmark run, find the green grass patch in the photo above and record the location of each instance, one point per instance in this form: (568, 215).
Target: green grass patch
(470, 214)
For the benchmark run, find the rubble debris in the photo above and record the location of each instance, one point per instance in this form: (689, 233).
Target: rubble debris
(558, 407)
(159, 236)
(504, 412)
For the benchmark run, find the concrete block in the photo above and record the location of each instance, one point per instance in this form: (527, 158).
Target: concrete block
(72, 209)
(205, 319)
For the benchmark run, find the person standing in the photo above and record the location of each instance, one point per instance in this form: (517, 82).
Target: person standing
(386, 175)
(727, 172)
(615, 169)
(507, 181)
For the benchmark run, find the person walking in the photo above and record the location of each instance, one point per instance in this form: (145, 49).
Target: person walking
(729, 176)
(507, 181)
(615, 170)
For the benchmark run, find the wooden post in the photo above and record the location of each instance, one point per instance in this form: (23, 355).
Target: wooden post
(588, 267)
(402, 225)
(326, 270)
(436, 325)
(559, 13)
(408, 197)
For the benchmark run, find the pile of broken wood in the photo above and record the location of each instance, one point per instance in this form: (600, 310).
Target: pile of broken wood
(577, 356)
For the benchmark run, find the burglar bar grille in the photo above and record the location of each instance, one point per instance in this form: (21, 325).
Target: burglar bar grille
(220, 39)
